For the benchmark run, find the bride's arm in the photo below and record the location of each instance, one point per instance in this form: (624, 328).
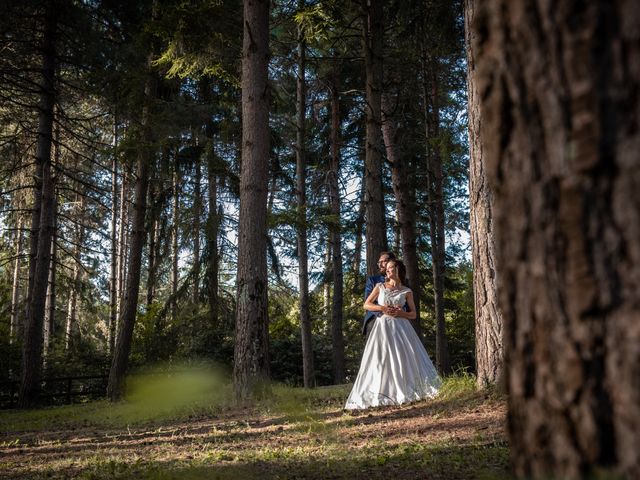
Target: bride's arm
(369, 303)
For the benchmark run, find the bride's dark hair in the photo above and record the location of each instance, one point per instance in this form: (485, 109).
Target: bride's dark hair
(402, 270)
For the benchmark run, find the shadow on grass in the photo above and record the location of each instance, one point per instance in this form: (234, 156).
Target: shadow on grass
(413, 461)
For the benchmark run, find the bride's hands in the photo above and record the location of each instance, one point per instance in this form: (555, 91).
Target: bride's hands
(391, 310)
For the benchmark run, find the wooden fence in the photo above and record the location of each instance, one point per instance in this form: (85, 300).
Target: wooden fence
(58, 390)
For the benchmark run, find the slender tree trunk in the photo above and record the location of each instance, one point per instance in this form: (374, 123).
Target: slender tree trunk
(197, 213)
(376, 230)
(326, 283)
(115, 388)
(174, 240)
(560, 109)
(76, 284)
(213, 225)
(357, 248)
(114, 328)
(405, 204)
(15, 289)
(213, 216)
(42, 228)
(251, 355)
(488, 319)
(436, 207)
(113, 277)
(50, 300)
(335, 235)
(301, 194)
(152, 266)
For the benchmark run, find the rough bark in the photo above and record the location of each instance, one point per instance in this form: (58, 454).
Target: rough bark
(558, 83)
(335, 232)
(435, 207)
(301, 197)
(126, 322)
(375, 231)
(405, 204)
(251, 360)
(488, 319)
(42, 222)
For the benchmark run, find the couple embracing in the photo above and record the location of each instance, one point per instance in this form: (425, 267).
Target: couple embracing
(395, 366)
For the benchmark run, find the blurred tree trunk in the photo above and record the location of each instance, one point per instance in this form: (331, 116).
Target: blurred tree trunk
(376, 230)
(301, 194)
(42, 221)
(115, 388)
(335, 230)
(405, 205)
(559, 84)
(488, 319)
(251, 354)
(435, 204)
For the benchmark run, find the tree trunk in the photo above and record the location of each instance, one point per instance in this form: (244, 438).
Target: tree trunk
(558, 84)
(42, 227)
(358, 285)
(197, 212)
(76, 284)
(251, 358)
(115, 388)
(435, 207)
(114, 328)
(405, 204)
(376, 230)
(488, 319)
(113, 287)
(301, 194)
(15, 289)
(50, 301)
(213, 217)
(335, 235)
(174, 240)
(154, 238)
(326, 284)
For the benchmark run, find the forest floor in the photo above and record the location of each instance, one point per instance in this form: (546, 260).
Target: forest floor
(294, 433)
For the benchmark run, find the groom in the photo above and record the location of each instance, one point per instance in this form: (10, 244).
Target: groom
(372, 281)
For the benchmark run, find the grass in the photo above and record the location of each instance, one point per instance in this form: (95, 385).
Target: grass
(186, 427)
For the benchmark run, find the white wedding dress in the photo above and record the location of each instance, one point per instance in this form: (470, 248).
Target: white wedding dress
(395, 367)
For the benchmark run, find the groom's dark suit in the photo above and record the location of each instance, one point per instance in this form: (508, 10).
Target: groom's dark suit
(372, 281)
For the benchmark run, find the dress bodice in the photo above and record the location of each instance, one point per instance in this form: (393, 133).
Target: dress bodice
(396, 297)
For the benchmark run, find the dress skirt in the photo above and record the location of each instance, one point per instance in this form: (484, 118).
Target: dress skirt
(395, 367)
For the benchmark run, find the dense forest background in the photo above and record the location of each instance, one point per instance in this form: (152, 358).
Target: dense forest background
(101, 55)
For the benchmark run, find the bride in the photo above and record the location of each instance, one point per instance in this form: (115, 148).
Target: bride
(395, 367)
